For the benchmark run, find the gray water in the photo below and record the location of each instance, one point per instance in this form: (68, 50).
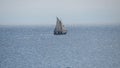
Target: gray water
(81, 47)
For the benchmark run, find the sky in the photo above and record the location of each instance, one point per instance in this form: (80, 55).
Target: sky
(44, 12)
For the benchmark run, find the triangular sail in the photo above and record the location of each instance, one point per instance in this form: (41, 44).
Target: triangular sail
(58, 25)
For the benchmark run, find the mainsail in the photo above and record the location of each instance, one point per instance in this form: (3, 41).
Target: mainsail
(59, 28)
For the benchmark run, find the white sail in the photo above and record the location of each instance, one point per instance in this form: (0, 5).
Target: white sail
(63, 28)
(58, 25)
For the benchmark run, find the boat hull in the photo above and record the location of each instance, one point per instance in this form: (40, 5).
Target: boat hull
(60, 33)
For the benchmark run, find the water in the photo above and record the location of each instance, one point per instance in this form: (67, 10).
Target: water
(81, 47)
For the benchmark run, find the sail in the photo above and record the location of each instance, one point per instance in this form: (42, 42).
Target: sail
(63, 28)
(58, 25)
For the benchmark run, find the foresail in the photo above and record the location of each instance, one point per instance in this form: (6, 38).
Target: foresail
(63, 27)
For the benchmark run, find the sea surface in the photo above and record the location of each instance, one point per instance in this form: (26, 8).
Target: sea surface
(81, 47)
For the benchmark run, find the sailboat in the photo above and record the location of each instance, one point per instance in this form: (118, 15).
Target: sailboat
(59, 28)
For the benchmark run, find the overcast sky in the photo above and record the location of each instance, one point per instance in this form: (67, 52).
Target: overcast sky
(44, 12)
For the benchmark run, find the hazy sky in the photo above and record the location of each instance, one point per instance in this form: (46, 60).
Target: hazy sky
(44, 12)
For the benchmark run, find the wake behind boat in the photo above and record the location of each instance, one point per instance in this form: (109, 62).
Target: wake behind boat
(59, 28)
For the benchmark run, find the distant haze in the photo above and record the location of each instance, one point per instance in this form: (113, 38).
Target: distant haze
(44, 12)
